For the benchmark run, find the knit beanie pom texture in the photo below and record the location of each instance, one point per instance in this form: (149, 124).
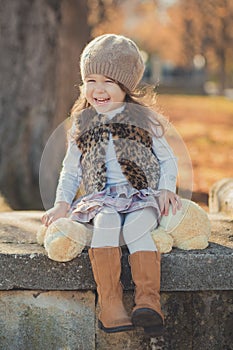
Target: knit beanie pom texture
(113, 56)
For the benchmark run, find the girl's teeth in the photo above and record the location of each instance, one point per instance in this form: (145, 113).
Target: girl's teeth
(102, 100)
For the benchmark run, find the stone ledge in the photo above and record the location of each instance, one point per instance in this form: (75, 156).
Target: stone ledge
(25, 265)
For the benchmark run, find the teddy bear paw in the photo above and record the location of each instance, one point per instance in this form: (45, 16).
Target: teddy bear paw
(65, 239)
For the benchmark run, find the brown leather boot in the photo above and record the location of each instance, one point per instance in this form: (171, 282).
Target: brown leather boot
(106, 267)
(145, 269)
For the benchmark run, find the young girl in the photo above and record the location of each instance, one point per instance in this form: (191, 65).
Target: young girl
(118, 151)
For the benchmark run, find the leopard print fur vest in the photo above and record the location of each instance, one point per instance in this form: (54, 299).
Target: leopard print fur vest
(133, 147)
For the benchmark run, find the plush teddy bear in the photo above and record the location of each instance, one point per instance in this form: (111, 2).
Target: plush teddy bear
(64, 239)
(188, 229)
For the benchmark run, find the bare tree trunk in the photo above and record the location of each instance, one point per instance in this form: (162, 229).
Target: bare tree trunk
(40, 44)
(222, 71)
(221, 54)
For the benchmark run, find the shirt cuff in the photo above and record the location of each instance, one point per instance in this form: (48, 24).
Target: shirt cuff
(168, 182)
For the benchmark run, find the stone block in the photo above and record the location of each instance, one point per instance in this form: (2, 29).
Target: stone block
(35, 320)
(213, 320)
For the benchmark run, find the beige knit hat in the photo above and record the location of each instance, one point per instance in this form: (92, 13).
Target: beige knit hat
(114, 56)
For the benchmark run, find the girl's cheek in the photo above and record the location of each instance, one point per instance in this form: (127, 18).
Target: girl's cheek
(86, 92)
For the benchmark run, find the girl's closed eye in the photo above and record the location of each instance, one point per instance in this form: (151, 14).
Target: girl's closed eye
(110, 81)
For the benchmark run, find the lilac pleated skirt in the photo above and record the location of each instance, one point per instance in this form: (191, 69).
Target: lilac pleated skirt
(122, 198)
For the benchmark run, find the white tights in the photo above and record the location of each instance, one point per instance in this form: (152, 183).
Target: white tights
(135, 228)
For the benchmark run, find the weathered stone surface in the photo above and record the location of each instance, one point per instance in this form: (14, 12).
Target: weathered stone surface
(27, 267)
(221, 230)
(212, 320)
(34, 320)
(65, 320)
(193, 321)
(19, 226)
(198, 320)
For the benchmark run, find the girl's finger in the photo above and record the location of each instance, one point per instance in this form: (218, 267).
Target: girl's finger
(166, 206)
(161, 206)
(174, 205)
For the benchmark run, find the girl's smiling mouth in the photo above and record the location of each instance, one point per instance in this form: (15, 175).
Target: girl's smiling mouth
(101, 101)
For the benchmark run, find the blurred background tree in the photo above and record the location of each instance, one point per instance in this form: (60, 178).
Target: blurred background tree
(208, 31)
(40, 44)
(191, 35)
(185, 44)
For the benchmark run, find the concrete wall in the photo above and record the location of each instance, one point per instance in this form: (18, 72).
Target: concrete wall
(62, 320)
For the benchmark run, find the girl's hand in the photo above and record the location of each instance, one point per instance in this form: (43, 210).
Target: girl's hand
(165, 199)
(58, 211)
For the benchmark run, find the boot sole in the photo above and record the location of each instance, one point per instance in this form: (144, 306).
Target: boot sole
(150, 320)
(115, 329)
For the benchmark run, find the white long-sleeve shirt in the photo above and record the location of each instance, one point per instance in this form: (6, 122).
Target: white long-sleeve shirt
(71, 174)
